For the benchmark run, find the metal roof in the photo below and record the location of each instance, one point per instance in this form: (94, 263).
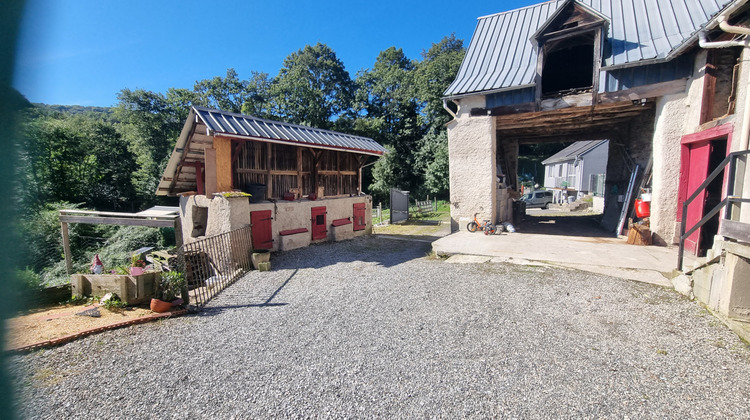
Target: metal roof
(246, 126)
(574, 151)
(503, 56)
(203, 124)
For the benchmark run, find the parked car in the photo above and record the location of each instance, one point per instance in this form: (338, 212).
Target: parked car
(537, 199)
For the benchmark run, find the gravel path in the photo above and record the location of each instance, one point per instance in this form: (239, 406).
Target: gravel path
(371, 328)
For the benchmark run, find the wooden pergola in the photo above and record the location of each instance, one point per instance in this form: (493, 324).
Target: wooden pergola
(158, 216)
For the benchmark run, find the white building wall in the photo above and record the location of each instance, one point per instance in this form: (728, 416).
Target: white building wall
(676, 115)
(472, 149)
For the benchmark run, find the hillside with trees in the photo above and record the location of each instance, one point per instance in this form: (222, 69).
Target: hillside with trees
(112, 158)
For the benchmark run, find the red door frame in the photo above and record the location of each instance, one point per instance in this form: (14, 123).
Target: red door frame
(695, 142)
(319, 230)
(260, 222)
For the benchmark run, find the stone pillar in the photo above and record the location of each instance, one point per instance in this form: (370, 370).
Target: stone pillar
(472, 149)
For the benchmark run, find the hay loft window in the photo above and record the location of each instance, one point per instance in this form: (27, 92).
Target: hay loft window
(569, 51)
(568, 65)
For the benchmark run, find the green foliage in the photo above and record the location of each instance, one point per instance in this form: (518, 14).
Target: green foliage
(113, 158)
(312, 87)
(171, 285)
(114, 303)
(433, 160)
(74, 159)
(119, 247)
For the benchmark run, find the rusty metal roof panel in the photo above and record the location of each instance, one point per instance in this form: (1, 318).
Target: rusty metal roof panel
(501, 54)
(246, 126)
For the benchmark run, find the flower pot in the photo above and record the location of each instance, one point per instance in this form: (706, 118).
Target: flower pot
(260, 256)
(160, 305)
(136, 271)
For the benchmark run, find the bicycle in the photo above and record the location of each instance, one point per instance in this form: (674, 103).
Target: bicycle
(486, 226)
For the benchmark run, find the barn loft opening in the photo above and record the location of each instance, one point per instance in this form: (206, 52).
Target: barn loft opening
(568, 65)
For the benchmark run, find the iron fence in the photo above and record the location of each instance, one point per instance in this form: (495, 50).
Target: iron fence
(213, 263)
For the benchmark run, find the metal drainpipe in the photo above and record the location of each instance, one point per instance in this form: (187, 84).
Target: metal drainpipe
(726, 27)
(445, 106)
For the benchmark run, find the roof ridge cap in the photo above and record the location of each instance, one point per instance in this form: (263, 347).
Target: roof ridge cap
(288, 124)
(516, 10)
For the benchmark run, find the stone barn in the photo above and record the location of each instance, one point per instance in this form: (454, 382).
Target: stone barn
(665, 82)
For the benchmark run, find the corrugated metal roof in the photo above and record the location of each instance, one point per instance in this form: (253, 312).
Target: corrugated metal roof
(574, 151)
(237, 125)
(501, 54)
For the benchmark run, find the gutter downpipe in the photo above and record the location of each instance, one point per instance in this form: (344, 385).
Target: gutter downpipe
(445, 107)
(726, 27)
(739, 30)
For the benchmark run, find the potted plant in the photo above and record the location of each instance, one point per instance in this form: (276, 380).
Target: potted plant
(136, 265)
(172, 284)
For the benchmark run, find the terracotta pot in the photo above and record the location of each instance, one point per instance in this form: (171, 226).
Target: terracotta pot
(136, 271)
(160, 305)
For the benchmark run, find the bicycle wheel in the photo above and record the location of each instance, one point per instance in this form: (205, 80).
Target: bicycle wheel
(471, 227)
(489, 229)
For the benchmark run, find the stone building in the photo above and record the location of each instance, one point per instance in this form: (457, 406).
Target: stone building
(664, 82)
(305, 183)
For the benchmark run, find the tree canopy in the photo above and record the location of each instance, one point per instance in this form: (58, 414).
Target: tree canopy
(113, 158)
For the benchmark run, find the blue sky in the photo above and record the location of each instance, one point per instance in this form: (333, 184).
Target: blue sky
(82, 52)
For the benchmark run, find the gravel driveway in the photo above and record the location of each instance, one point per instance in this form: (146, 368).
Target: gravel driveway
(372, 328)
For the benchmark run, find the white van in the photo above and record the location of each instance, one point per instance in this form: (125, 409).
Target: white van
(537, 199)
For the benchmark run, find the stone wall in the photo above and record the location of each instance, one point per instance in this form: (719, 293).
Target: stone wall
(226, 214)
(472, 149)
(676, 115)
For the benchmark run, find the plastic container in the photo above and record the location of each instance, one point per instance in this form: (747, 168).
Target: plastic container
(642, 208)
(257, 192)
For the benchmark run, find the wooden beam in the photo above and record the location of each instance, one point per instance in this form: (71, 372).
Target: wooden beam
(66, 247)
(269, 179)
(122, 221)
(210, 172)
(223, 147)
(735, 230)
(597, 64)
(299, 170)
(645, 92)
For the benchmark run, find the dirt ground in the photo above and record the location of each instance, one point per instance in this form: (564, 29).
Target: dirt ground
(59, 321)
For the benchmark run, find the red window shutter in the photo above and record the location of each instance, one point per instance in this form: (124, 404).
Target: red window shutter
(261, 229)
(360, 222)
(319, 230)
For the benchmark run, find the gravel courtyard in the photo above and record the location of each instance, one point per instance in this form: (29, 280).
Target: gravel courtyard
(373, 328)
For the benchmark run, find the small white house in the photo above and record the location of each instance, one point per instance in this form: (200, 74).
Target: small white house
(577, 167)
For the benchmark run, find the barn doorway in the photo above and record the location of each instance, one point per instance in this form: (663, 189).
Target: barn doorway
(701, 154)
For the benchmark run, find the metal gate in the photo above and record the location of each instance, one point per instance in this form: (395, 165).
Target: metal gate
(399, 205)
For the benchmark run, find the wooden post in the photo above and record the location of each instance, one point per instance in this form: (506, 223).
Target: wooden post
(299, 172)
(210, 161)
(66, 248)
(269, 179)
(178, 231)
(223, 147)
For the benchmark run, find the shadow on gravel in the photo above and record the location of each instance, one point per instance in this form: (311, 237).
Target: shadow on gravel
(383, 251)
(214, 310)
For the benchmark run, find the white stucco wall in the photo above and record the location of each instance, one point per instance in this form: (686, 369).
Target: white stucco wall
(225, 214)
(472, 149)
(743, 88)
(676, 115)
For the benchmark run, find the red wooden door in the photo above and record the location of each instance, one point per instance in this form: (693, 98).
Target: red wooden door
(319, 228)
(360, 222)
(260, 222)
(697, 172)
